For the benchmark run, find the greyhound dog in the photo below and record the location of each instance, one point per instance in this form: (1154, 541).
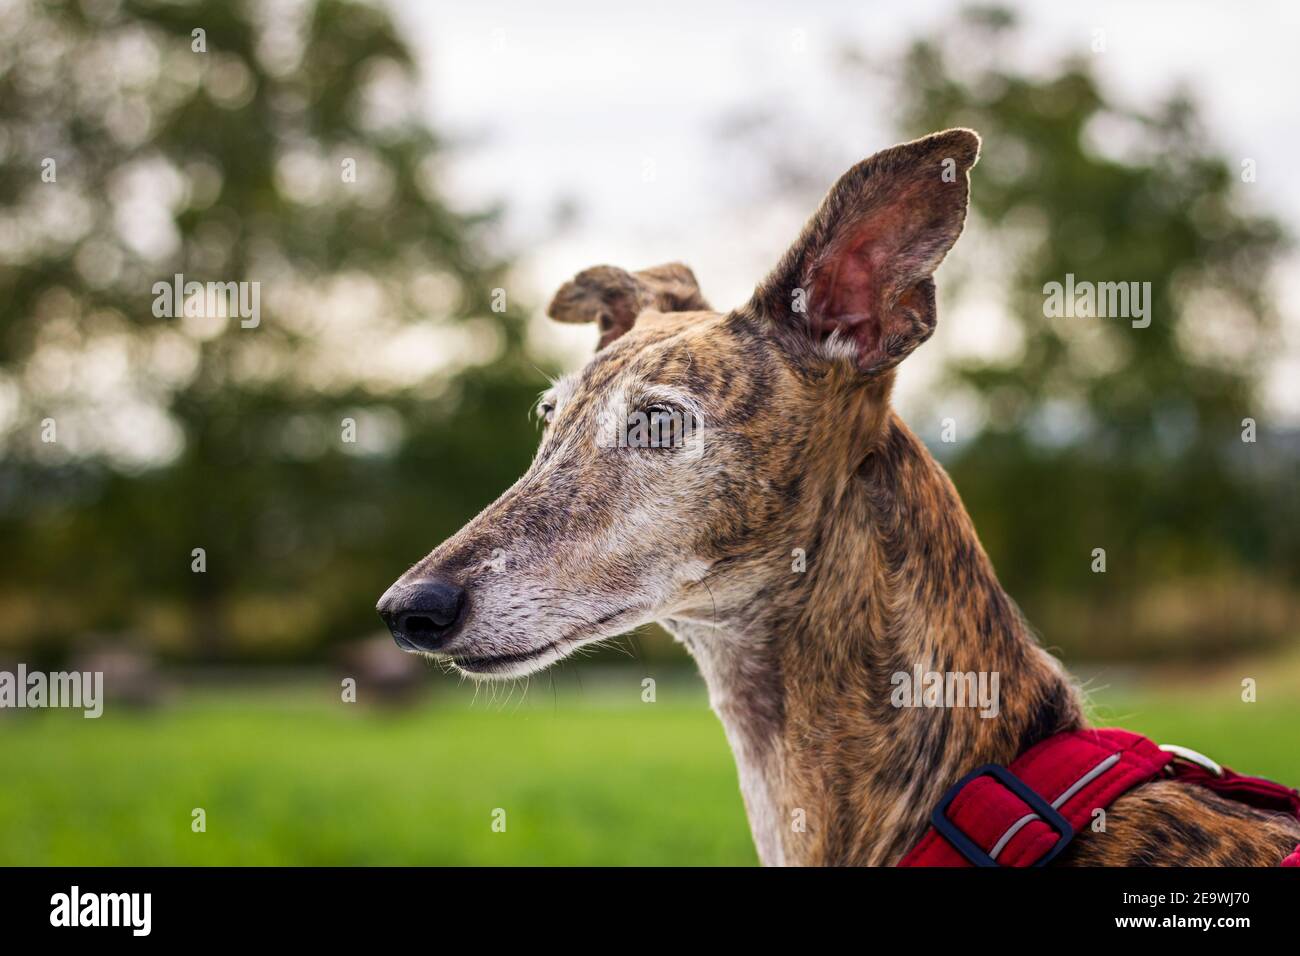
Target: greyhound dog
(782, 443)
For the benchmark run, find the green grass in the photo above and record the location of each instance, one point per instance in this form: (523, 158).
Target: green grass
(306, 781)
(294, 777)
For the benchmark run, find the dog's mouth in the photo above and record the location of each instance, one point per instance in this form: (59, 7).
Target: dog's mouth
(497, 663)
(520, 661)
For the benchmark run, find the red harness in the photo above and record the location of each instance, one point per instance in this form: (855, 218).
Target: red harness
(1025, 814)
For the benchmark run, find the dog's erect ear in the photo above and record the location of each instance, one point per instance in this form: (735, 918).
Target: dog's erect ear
(862, 266)
(613, 298)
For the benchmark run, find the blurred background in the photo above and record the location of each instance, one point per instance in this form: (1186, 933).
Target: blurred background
(408, 183)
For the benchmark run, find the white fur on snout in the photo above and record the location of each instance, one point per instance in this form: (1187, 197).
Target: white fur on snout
(542, 619)
(529, 609)
(693, 571)
(524, 603)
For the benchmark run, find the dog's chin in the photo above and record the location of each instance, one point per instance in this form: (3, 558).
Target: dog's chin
(519, 664)
(487, 663)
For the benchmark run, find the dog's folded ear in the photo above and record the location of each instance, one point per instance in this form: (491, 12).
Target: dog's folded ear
(861, 269)
(613, 298)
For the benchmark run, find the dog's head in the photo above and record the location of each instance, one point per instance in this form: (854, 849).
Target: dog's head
(680, 465)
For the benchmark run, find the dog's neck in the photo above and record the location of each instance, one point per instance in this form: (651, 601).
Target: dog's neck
(832, 771)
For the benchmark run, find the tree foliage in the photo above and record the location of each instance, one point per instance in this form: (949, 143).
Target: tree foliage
(1096, 433)
(235, 143)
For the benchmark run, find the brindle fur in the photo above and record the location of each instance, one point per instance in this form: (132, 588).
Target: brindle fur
(802, 451)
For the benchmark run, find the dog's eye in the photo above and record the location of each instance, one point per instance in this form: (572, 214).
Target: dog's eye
(546, 410)
(664, 426)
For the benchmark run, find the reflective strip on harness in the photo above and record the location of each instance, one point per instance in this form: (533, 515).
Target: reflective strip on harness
(988, 823)
(1074, 788)
(999, 816)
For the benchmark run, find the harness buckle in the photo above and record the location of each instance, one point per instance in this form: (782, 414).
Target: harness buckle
(1043, 810)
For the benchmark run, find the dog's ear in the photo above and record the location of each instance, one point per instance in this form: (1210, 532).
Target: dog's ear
(861, 269)
(613, 298)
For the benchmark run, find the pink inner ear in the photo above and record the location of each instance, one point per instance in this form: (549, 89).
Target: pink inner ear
(846, 294)
(851, 288)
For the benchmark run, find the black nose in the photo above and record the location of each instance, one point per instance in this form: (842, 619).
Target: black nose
(422, 614)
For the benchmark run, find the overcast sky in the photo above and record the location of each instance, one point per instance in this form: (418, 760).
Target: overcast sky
(617, 107)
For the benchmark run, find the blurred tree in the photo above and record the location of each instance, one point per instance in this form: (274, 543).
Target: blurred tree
(382, 396)
(1090, 433)
(283, 144)
(1103, 434)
